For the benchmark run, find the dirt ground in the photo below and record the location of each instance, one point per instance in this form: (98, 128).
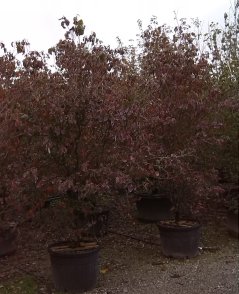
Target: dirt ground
(128, 265)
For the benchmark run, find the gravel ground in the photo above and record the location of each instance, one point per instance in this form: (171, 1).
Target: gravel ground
(131, 266)
(128, 266)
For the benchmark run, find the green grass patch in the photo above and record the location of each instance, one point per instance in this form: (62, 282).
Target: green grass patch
(23, 285)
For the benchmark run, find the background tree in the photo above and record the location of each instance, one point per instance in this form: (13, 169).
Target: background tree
(224, 49)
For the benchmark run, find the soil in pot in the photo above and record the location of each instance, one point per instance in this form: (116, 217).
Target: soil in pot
(153, 208)
(8, 239)
(179, 240)
(74, 265)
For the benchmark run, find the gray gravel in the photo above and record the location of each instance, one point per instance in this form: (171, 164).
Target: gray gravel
(129, 266)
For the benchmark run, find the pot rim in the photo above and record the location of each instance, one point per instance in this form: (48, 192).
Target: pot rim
(153, 196)
(99, 210)
(72, 253)
(162, 226)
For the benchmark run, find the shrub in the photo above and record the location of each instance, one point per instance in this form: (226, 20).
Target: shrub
(174, 126)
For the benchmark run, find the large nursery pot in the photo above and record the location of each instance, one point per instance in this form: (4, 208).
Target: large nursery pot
(233, 223)
(232, 213)
(74, 265)
(181, 239)
(8, 239)
(153, 208)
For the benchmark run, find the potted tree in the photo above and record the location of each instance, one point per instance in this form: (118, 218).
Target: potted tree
(180, 237)
(175, 100)
(62, 120)
(83, 147)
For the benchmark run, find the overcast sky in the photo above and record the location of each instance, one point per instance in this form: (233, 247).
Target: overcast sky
(37, 20)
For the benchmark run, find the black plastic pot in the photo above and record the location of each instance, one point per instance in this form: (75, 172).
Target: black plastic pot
(74, 271)
(8, 240)
(233, 224)
(180, 241)
(153, 208)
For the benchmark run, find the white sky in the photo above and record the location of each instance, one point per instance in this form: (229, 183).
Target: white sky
(37, 20)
